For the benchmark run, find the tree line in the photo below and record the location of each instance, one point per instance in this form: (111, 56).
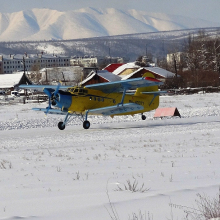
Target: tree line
(197, 65)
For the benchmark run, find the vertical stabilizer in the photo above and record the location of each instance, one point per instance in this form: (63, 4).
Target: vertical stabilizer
(148, 88)
(152, 99)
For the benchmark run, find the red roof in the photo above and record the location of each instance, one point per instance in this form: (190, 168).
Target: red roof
(112, 67)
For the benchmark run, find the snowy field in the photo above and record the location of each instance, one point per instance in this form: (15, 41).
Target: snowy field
(72, 174)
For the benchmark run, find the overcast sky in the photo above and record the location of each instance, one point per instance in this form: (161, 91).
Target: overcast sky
(203, 9)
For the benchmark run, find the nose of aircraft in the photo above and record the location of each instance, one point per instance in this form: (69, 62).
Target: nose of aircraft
(62, 101)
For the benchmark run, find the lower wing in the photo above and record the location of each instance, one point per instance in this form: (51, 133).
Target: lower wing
(50, 111)
(117, 109)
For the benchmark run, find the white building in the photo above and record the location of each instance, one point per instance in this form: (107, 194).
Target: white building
(86, 61)
(67, 75)
(178, 57)
(14, 63)
(94, 61)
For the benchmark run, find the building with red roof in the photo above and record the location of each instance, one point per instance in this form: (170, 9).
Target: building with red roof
(113, 66)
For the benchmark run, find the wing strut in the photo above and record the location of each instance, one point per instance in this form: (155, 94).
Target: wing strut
(155, 95)
(123, 96)
(120, 103)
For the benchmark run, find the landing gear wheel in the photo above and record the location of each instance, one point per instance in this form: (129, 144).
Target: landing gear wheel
(143, 117)
(86, 124)
(61, 126)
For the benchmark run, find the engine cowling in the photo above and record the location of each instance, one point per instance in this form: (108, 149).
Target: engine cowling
(62, 101)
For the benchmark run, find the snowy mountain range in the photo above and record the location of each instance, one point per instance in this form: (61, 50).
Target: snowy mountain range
(47, 24)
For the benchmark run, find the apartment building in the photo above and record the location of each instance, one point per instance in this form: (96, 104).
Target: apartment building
(94, 61)
(15, 63)
(86, 61)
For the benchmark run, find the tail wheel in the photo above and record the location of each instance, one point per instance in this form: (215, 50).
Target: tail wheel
(143, 117)
(61, 126)
(86, 124)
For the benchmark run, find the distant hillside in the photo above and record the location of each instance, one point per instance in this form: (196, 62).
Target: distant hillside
(46, 24)
(129, 46)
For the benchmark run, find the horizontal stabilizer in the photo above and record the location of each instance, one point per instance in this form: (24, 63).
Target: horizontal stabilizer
(154, 92)
(50, 111)
(117, 109)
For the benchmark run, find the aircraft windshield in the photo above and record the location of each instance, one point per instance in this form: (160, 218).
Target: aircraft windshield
(78, 91)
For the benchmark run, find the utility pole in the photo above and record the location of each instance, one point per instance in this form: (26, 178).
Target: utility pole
(109, 52)
(175, 65)
(23, 75)
(24, 64)
(146, 50)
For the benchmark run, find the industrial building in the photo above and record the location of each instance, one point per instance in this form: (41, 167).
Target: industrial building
(14, 63)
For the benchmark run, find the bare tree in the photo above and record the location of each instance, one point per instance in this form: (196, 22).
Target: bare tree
(198, 64)
(35, 75)
(78, 76)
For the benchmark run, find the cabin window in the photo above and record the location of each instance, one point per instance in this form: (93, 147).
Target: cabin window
(81, 92)
(77, 91)
(99, 99)
(94, 98)
(113, 100)
(102, 99)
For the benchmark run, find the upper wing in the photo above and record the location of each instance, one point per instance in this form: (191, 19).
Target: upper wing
(118, 86)
(42, 87)
(108, 87)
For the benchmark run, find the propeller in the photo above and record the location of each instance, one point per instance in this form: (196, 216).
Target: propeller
(54, 95)
(51, 96)
(57, 89)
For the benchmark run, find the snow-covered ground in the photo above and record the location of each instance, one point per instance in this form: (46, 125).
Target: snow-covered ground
(51, 174)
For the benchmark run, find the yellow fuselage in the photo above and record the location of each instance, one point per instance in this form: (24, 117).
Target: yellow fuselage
(96, 99)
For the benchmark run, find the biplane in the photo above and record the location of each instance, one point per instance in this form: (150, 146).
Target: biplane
(124, 97)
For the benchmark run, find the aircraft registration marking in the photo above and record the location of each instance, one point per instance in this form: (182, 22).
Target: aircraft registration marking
(137, 102)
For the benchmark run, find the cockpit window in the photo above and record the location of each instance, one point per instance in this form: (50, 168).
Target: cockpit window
(78, 91)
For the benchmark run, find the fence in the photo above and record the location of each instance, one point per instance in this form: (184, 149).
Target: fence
(8, 100)
(189, 91)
